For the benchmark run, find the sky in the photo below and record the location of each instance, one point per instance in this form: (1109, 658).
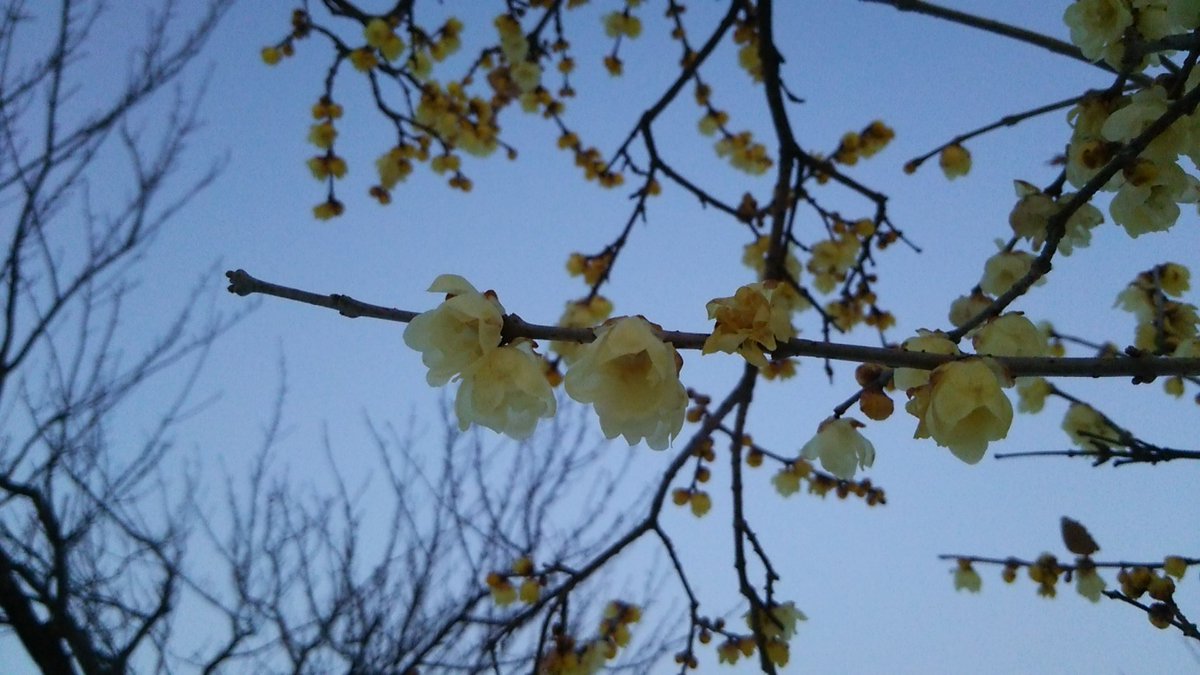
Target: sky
(877, 596)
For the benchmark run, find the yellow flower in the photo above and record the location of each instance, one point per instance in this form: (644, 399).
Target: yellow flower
(505, 391)
(1095, 24)
(459, 332)
(322, 135)
(330, 208)
(393, 166)
(530, 591)
(751, 322)
(966, 408)
(1151, 205)
(1032, 393)
(1175, 565)
(966, 307)
(504, 594)
(1003, 270)
(966, 578)
(929, 342)
(701, 503)
(1010, 334)
(271, 55)
(631, 377)
(955, 161)
(754, 256)
(831, 259)
(581, 315)
(363, 59)
(840, 448)
(379, 34)
(1087, 427)
(778, 621)
(527, 75)
(1088, 583)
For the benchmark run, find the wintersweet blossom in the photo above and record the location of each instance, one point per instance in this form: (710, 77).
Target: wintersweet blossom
(1088, 428)
(1010, 334)
(963, 408)
(1031, 216)
(966, 307)
(1096, 25)
(458, 332)
(840, 448)
(1149, 200)
(831, 259)
(955, 161)
(776, 622)
(752, 322)
(631, 377)
(966, 578)
(1088, 583)
(1003, 270)
(506, 391)
(1032, 393)
(929, 342)
(581, 314)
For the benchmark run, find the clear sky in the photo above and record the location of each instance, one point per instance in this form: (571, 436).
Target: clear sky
(877, 597)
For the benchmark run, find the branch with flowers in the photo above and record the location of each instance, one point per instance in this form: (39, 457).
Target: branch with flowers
(1127, 139)
(1137, 579)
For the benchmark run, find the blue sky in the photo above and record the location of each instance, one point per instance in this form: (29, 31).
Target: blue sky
(877, 597)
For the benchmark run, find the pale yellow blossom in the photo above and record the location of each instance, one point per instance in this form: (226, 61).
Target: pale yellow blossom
(965, 408)
(631, 377)
(506, 391)
(458, 332)
(840, 448)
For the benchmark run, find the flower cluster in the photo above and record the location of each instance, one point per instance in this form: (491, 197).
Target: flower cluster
(1164, 324)
(863, 144)
(1105, 29)
(744, 153)
(777, 625)
(503, 387)
(832, 259)
(567, 657)
(627, 373)
(1150, 188)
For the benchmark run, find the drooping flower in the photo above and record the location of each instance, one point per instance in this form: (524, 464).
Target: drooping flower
(840, 448)
(966, 578)
(631, 377)
(963, 408)
(1088, 583)
(1087, 427)
(1032, 393)
(458, 332)
(955, 161)
(506, 391)
(926, 341)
